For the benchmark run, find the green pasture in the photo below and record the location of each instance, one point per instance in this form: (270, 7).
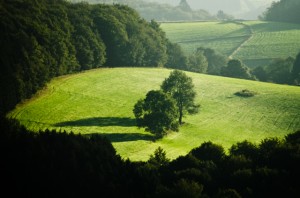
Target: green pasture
(101, 101)
(255, 42)
(222, 36)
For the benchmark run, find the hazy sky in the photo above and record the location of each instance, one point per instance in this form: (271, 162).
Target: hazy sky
(238, 8)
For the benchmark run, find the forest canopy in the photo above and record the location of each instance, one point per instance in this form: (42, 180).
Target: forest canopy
(283, 11)
(43, 39)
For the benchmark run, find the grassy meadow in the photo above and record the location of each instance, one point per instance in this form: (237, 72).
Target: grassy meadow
(101, 101)
(253, 42)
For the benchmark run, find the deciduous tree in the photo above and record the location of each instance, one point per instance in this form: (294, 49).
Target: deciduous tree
(181, 88)
(157, 112)
(236, 69)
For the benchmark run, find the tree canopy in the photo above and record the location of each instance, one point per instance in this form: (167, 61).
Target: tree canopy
(236, 69)
(43, 39)
(157, 112)
(283, 11)
(181, 88)
(279, 70)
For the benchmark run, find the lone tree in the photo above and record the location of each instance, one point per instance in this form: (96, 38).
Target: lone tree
(157, 112)
(181, 88)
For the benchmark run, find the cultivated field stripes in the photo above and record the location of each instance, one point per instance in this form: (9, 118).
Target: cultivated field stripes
(256, 43)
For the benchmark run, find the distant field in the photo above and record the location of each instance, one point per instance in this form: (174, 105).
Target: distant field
(101, 101)
(254, 42)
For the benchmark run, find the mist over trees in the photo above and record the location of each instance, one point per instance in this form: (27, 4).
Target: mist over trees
(160, 11)
(241, 9)
(283, 11)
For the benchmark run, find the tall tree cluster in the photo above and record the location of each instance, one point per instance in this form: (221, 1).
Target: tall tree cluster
(163, 110)
(282, 71)
(283, 11)
(43, 39)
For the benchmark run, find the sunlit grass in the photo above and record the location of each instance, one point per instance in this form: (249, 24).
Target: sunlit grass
(101, 101)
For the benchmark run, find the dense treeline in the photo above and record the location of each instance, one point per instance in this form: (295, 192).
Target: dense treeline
(209, 61)
(281, 71)
(43, 39)
(59, 164)
(283, 11)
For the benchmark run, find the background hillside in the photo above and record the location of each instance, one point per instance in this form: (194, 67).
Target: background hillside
(256, 43)
(163, 10)
(158, 11)
(245, 9)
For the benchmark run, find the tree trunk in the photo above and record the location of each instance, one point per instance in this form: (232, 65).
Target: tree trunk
(180, 117)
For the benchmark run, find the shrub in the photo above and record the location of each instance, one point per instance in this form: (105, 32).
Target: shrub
(245, 93)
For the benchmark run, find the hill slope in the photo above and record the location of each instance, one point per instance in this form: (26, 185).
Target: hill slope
(254, 42)
(101, 101)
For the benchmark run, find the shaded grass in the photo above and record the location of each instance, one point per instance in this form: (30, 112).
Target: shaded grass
(101, 101)
(99, 121)
(126, 137)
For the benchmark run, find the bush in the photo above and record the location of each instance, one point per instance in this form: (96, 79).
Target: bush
(245, 93)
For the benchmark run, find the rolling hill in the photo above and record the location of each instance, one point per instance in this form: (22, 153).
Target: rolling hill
(101, 101)
(256, 43)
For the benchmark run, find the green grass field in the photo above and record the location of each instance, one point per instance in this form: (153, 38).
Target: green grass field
(254, 42)
(101, 101)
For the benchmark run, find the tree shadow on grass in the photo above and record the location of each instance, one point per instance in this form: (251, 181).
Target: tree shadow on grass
(125, 137)
(99, 121)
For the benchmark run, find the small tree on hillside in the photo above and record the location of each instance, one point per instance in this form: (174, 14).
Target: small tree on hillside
(181, 88)
(157, 112)
(159, 158)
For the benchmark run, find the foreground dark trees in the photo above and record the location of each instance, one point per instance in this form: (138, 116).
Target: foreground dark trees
(55, 164)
